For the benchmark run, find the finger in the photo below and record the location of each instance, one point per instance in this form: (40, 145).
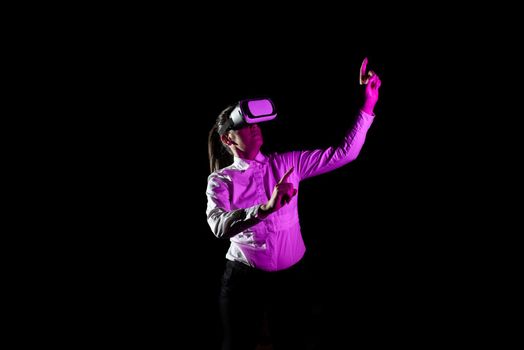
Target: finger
(374, 79)
(363, 76)
(377, 82)
(290, 192)
(285, 199)
(286, 175)
(288, 195)
(371, 75)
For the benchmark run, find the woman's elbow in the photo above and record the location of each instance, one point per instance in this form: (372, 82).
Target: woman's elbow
(217, 229)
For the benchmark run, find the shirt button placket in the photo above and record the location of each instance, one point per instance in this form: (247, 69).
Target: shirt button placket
(260, 183)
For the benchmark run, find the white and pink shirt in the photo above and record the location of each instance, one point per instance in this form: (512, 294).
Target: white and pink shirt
(235, 193)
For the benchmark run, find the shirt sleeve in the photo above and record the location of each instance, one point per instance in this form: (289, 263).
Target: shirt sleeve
(223, 221)
(316, 162)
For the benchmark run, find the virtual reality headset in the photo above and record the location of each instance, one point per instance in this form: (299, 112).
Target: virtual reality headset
(249, 112)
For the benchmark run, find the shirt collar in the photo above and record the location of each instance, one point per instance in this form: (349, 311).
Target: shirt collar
(246, 163)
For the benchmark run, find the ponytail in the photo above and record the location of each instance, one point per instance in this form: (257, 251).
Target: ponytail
(220, 155)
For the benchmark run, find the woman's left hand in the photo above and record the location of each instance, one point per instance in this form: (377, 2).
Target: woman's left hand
(372, 84)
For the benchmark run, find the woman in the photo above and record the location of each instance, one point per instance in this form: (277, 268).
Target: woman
(252, 201)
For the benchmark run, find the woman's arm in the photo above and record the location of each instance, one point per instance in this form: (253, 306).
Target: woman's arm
(315, 162)
(224, 222)
(312, 163)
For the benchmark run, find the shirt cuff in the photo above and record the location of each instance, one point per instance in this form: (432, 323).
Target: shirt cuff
(367, 115)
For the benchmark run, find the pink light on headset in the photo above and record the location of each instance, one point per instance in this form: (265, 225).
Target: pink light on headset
(258, 110)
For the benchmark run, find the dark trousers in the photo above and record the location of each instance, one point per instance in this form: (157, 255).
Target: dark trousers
(255, 302)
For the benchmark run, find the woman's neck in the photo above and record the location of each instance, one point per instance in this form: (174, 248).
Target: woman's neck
(250, 155)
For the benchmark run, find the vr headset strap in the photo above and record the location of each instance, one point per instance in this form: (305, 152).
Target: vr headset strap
(225, 127)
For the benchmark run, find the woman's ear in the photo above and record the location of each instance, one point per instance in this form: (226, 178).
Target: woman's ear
(226, 140)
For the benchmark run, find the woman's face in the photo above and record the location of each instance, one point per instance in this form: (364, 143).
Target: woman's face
(247, 139)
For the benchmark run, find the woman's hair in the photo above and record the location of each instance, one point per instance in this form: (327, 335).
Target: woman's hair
(220, 155)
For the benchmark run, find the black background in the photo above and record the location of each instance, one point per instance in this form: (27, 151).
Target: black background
(386, 262)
